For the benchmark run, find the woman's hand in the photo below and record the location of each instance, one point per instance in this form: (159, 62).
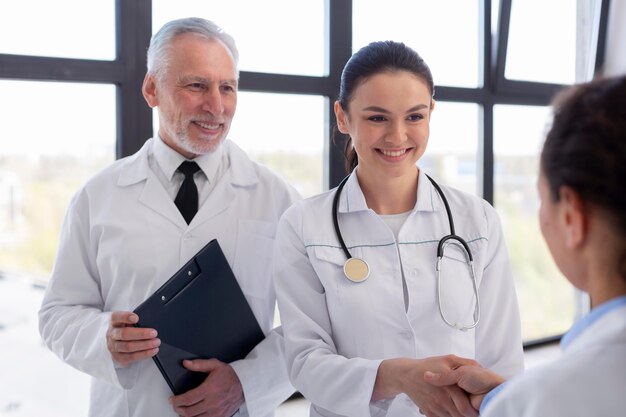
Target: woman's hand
(475, 380)
(403, 375)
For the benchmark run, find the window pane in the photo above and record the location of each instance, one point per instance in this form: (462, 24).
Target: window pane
(267, 41)
(547, 300)
(452, 153)
(55, 136)
(542, 41)
(425, 26)
(35, 27)
(294, 147)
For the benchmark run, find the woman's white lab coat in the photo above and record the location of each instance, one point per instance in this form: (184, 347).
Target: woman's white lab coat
(337, 332)
(123, 237)
(589, 379)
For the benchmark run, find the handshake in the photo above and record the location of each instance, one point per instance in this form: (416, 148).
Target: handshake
(440, 386)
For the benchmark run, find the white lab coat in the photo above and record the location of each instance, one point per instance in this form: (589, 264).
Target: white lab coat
(337, 332)
(123, 237)
(589, 379)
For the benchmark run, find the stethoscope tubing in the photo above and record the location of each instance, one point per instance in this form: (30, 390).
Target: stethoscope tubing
(440, 249)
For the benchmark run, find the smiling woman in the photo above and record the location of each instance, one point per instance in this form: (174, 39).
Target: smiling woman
(378, 328)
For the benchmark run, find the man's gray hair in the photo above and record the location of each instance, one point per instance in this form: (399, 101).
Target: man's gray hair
(160, 42)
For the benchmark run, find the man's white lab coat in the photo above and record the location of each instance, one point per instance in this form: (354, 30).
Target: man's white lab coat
(123, 237)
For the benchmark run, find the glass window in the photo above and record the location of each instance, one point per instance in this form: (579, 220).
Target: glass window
(547, 300)
(267, 41)
(425, 26)
(291, 141)
(452, 153)
(55, 136)
(547, 52)
(43, 30)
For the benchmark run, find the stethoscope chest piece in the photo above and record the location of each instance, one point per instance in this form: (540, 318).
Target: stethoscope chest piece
(356, 270)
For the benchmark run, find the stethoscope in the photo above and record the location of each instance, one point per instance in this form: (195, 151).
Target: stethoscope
(357, 270)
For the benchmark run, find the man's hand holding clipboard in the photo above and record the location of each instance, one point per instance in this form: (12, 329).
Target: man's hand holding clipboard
(199, 313)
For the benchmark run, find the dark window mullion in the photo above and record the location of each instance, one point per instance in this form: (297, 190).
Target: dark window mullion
(23, 67)
(339, 51)
(133, 20)
(281, 83)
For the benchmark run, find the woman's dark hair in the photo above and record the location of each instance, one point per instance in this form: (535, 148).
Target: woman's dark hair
(585, 148)
(373, 59)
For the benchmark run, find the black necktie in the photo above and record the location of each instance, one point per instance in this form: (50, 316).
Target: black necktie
(187, 198)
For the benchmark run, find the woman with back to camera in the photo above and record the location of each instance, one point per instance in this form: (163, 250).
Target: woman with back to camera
(367, 303)
(582, 188)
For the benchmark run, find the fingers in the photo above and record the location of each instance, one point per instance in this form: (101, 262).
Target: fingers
(131, 333)
(477, 400)
(440, 404)
(129, 344)
(134, 346)
(462, 402)
(457, 361)
(201, 365)
(123, 318)
(220, 394)
(189, 398)
(442, 379)
(126, 359)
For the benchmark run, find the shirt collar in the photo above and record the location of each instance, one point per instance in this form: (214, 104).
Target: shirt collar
(594, 315)
(169, 160)
(352, 198)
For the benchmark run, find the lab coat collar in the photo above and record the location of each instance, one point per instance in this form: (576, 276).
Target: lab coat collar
(241, 173)
(577, 334)
(353, 200)
(135, 167)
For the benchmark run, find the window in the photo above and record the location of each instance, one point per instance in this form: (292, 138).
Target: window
(266, 40)
(34, 27)
(52, 143)
(295, 151)
(547, 300)
(425, 26)
(548, 52)
(452, 155)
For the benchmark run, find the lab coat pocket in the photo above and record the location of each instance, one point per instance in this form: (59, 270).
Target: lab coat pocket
(328, 263)
(347, 302)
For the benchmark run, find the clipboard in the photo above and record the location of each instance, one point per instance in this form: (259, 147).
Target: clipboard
(200, 312)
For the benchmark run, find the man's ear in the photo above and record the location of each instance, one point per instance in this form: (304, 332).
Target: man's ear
(342, 118)
(573, 217)
(149, 90)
